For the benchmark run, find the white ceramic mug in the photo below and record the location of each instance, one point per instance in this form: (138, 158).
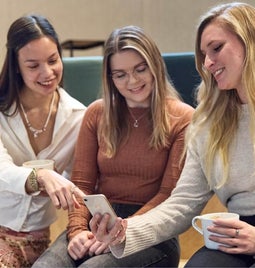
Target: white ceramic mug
(40, 163)
(207, 220)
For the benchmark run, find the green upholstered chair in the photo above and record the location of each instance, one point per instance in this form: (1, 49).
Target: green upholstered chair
(83, 75)
(183, 74)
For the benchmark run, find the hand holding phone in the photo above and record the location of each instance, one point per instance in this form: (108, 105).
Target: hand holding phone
(98, 203)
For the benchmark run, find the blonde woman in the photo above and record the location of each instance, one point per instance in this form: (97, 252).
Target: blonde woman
(129, 148)
(220, 150)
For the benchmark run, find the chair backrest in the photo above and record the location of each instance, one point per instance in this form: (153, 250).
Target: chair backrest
(183, 74)
(83, 76)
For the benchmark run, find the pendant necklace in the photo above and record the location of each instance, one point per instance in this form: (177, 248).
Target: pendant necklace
(136, 120)
(35, 131)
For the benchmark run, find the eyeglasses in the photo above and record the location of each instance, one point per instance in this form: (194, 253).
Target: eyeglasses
(138, 72)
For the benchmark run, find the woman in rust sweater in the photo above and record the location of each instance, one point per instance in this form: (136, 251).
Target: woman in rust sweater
(129, 148)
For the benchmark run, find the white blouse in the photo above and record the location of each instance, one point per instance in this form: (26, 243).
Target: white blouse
(20, 211)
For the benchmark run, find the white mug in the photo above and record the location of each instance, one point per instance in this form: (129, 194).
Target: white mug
(40, 163)
(207, 220)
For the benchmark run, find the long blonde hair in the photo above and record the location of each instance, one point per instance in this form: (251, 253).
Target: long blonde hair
(221, 108)
(114, 127)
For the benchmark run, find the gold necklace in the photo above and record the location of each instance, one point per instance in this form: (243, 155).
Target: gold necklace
(35, 131)
(136, 120)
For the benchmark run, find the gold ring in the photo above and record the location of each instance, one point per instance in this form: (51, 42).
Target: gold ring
(122, 239)
(73, 189)
(237, 232)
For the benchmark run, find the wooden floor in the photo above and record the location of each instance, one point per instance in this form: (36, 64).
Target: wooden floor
(59, 226)
(182, 263)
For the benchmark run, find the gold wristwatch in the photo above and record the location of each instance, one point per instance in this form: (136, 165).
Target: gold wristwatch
(32, 180)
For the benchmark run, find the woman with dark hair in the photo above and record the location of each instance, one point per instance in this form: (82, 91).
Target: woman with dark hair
(129, 148)
(38, 120)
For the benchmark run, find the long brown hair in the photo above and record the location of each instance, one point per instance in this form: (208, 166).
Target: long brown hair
(21, 32)
(114, 128)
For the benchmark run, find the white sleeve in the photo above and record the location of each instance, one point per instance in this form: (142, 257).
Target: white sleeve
(12, 177)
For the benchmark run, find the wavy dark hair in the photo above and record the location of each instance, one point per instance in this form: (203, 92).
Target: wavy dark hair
(22, 31)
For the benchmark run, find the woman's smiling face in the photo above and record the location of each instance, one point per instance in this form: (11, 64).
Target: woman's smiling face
(224, 56)
(40, 66)
(132, 77)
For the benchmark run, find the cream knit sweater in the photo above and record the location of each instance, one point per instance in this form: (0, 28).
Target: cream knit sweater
(174, 216)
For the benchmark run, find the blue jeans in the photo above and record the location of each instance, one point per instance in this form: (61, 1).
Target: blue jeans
(205, 257)
(165, 254)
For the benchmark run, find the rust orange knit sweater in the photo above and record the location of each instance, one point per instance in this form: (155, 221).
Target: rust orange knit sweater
(137, 174)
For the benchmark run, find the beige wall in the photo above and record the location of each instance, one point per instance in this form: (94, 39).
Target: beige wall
(171, 23)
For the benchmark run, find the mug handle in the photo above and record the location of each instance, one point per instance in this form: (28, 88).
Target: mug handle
(195, 226)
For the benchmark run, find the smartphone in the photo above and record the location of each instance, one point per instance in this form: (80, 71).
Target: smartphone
(98, 203)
